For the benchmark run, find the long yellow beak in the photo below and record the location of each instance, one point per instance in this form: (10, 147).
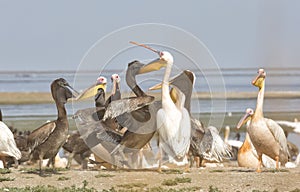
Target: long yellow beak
(155, 65)
(91, 91)
(156, 87)
(243, 120)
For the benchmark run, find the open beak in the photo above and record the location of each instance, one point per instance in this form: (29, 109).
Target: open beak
(243, 120)
(91, 91)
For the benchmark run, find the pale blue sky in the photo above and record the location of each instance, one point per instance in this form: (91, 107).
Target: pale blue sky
(55, 35)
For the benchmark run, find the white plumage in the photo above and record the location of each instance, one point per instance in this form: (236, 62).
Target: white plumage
(8, 145)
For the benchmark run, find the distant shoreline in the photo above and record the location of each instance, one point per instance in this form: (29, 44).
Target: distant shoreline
(8, 98)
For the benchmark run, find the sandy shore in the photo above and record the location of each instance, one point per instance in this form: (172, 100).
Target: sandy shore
(45, 97)
(228, 178)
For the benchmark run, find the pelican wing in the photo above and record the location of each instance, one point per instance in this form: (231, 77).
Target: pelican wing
(40, 135)
(88, 115)
(219, 149)
(119, 107)
(278, 134)
(141, 121)
(174, 141)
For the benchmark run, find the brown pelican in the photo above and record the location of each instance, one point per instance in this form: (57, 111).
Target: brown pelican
(172, 120)
(266, 135)
(140, 123)
(45, 141)
(247, 155)
(8, 147)
(206, 142)
(103, 136)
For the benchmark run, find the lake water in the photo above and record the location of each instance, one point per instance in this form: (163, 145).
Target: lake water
(229, 80)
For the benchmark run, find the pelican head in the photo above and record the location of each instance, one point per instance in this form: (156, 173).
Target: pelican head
(115, 77)
(165, 58)
(258, 81)
(62, 91)
(249, 113)
(101, 80)
(92, 90)
(100, 84)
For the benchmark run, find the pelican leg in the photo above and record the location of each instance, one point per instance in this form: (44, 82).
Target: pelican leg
(197, 160)
(16, 162)
(258, 170)
(70, 159)
(277, 162)
(40, 164)
(159, 160)
(187, 166)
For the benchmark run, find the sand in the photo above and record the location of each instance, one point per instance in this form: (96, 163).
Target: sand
(229, 178)
(45, 97)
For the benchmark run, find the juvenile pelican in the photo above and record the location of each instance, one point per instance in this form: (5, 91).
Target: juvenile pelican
(266, 135)
(172, 120)
(45, 141)
(140, 123)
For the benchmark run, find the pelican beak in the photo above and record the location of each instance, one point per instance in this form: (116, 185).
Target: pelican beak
(155, 87)
(72, 91)
(243, 120)
(258, 78)
(155, 65)
(91, 91)
(159, 85)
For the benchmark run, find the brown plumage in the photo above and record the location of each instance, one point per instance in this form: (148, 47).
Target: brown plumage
(76, 146)
(45, 141)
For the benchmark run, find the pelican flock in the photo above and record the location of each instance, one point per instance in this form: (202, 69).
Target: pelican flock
(147, 129)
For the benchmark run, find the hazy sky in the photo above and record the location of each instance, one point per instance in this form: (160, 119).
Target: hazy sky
(56, 34)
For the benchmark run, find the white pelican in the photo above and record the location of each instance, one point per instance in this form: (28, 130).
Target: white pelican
(206, 143)
(97, 89)
(290, 126)
(8, 147)
(247, 155)
(172, 120)
(266, 135)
